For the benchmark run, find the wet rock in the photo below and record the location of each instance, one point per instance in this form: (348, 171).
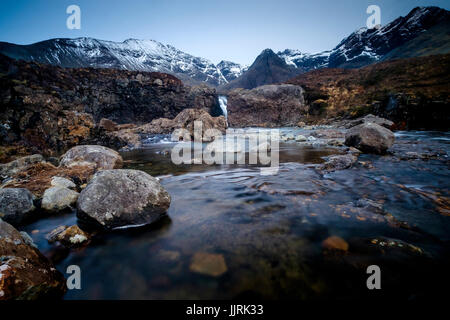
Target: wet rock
(62, 182)
(370, 138)
(119, 198)
(16, 205)
(339, 162)
(364, 203)
(328, 134)
(300, 138)
(58, 199)
(208, 264)
(187, 118)
(335, 143)
(25, 274)
(389, 244)
(70, 237)
(11, 168)
(354, 151)
(335, 243)
(288, 137)
(301, 124)
(181, 128)
(100, 157)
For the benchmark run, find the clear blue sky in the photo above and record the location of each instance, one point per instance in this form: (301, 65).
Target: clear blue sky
(236, 30)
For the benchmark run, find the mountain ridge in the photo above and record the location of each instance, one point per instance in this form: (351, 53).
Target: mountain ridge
(131, 54)
(360, 48)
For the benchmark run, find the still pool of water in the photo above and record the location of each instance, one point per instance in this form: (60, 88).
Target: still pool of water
(267, 232)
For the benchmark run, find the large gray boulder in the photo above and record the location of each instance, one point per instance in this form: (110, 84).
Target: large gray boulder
(24, 272)
(101, 158)
(16, 204)
(119, 198)
(370, 138)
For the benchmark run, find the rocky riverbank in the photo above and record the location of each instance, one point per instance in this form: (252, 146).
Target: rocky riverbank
(48, 109)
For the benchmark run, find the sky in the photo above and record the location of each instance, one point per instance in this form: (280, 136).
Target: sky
(234, 30)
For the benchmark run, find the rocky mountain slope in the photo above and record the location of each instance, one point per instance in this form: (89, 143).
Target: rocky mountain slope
(48, 109)
(413, 92)
(132, 54)
(424, 31)
(268, 68)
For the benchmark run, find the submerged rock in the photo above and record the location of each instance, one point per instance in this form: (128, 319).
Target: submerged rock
(58, 199)
(370, 138)
(120, 198)
(339, 162)
(335, 243)
(208, 264)
(71, 236)
(16, 204)
(25, 274)
(100, 157)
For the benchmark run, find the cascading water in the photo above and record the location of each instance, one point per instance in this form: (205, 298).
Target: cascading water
(223, 105)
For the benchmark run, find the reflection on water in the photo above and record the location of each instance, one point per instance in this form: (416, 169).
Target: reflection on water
(269, 230)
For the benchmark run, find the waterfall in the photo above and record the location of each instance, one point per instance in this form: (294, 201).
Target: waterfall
(223, 105)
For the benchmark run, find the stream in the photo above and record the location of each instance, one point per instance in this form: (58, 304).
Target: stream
(267, 232)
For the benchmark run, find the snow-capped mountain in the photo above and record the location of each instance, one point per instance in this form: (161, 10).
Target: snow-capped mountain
(365, 46)
(305, 61)
(132, 54)
(231, 70)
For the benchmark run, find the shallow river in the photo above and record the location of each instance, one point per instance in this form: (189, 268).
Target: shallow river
(267, 232)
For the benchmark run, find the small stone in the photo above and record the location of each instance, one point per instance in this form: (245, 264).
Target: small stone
(208, 264)
(300, 138)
